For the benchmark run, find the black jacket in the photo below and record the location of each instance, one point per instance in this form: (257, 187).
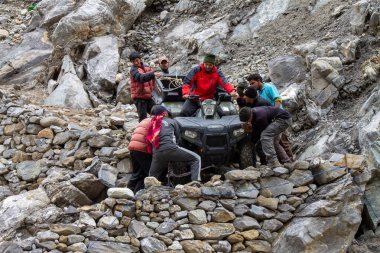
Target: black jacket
(263, 116)
(169, 135)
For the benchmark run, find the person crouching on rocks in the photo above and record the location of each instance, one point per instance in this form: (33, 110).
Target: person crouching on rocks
(163, 136)
(266, 123)
(140, 156)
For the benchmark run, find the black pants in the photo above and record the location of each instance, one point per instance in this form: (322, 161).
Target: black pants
(189, 108)
(141, 164)
(143, 107)
(258, 150)
(161, 159)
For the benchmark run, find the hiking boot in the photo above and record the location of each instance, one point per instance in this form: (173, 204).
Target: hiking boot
(274, 164)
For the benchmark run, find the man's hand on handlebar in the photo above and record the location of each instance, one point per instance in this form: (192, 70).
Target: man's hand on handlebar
(185, 96)
(233, 94)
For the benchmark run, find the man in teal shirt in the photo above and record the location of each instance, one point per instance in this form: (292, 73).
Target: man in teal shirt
(266, 90)
(269, 92)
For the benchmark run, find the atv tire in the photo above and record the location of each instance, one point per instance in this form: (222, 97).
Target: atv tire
(245, 154)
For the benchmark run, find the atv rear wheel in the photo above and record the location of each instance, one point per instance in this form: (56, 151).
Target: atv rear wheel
(245, 154)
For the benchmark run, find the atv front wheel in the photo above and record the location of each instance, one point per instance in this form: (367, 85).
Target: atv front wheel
(245, 154)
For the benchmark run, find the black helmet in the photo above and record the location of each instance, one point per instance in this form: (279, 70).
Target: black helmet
(134, 55)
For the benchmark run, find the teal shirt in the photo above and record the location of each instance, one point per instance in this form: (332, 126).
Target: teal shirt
(270, 93)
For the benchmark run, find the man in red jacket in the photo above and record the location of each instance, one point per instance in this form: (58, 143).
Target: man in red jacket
(142, 82)
(141, 158)
(203, 80)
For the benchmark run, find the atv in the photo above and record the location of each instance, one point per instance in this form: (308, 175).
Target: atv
(214, 131)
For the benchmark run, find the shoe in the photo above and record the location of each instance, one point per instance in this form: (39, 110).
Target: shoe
(274, 164)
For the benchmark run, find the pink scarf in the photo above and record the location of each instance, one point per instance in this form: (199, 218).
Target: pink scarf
(153, 134)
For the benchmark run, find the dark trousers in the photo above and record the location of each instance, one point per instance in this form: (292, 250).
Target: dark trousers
(189, 108)
(258, 150)
(143, 108)
(161, 159)
(141, 163)
(285, 143)
(270, 138)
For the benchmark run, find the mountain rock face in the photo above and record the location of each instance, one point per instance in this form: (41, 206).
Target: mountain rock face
(66, 119)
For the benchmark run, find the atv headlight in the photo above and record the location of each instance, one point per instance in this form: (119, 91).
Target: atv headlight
(238, 132)
(191, 134)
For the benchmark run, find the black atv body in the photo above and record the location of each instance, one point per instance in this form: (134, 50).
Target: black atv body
(214, 131)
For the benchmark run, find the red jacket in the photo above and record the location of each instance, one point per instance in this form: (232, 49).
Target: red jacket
(138, 142)
(142, 81)
(199, 82)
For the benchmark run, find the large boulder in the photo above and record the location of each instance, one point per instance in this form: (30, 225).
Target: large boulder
(287, 69)
(327, 80)
(359, 13)
(191, 37)
(326, 223)
(96, 18)
(14, 210)
(70, 91)
(53, 11)
(100, 50)
(26, 62)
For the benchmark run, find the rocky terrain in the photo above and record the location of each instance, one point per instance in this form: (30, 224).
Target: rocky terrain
(66, 120)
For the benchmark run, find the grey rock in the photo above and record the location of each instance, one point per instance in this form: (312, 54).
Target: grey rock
(325, 172)
(108, 222)
(260, 213)
(29, 170)
(24, 62)
(123, 92)
(77, 247)
(10, 247)
(53, 11)
(207, 205)
(100, 141)
(86, 219)
(221, 214)
(70, 91)
(222, 191)
(272, 225)
(47, 236)
(5, 192)
(287, 69)
(301, 177)
(247, 190)
(284, 217)
(52, 121)
(237, 175)
(186, 234)
(112, 247)
(64, 193)
(222, 246)
(152, 245)
(99, 50)
(240, 209)
(245, 223)
(276, 186)
(197, 216)
(49, 214)
(81, 25)
(120, 193)
(166, 227)
(15, 209)
(108, 175)
(359, 13)
(212, 231)
(61, 138)
(72, 239)
(88, 184)
(187, 203)
(320, 208)
(138, 230)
